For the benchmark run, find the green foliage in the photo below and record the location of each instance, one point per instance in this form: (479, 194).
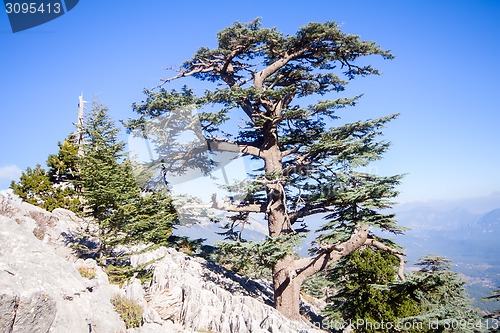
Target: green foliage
(124, 212)
(53, 188)
(151, 219)
(432, 299)
(319, 286)
(63, 166)
(36, 187)
(129, 311)
(444, 303)
(119, 274)
(359, 297)
(255, 259)
(108, 184)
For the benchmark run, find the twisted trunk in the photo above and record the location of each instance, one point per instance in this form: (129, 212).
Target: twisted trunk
(287, 288)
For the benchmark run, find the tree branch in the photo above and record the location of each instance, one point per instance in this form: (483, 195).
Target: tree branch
(261, 76)
(306, 267)
(222, 144)
(247, 208)
(398, 254)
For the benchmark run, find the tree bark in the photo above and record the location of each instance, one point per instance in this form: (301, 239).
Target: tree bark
(287, 289)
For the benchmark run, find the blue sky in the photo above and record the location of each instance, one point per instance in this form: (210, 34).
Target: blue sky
(443, 81)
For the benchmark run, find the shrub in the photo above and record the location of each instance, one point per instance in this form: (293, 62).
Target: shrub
(129, 311)
(87, 272)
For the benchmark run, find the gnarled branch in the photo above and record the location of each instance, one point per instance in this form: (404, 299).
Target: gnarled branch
(398, 254)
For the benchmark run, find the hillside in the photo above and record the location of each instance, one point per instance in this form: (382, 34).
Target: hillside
(41, 289)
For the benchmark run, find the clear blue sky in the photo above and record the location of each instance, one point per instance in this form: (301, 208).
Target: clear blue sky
(444, 80)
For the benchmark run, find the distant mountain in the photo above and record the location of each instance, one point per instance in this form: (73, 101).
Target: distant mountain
(489, 224)
(477, 205)
(469, 239)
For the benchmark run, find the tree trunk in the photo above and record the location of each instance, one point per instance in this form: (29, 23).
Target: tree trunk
(286, 289)
(285, 284)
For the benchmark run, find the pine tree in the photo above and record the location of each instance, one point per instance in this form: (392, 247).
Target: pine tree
(107, 180)
(264, 103)
(363, 299)
(113, 198)
(53, 188)
(34, 187)
(444, 303)
(63, 166)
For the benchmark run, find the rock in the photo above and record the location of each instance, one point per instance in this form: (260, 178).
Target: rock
(147, 257)
(51, 293)
(65, 214)
(35, 313)
(134, 291)
(9, 302)
(41, 289)
(201, 296)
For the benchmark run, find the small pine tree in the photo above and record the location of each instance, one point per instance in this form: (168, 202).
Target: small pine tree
(36, 186)
(361, 298)
(444, 303)
(107, 180)
(124, 213)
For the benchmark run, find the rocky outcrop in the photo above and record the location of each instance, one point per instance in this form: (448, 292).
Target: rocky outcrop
(202, 296)
(41, 289)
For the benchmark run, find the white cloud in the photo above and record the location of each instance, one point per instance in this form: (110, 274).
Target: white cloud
(10, 172)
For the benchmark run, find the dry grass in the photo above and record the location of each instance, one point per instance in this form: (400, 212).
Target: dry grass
(129, 311)
(87, 272)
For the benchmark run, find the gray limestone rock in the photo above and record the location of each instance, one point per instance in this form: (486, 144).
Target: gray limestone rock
(35, 313)
(9, 302)
(50, 293)
(199, 295)
(42, 291)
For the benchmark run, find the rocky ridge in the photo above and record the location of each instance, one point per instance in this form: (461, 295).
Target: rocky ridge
(41, 289)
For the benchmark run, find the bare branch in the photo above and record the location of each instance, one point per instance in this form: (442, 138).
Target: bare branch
(229, 207)
(183, 73)
(222, 144)
(400, 255)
